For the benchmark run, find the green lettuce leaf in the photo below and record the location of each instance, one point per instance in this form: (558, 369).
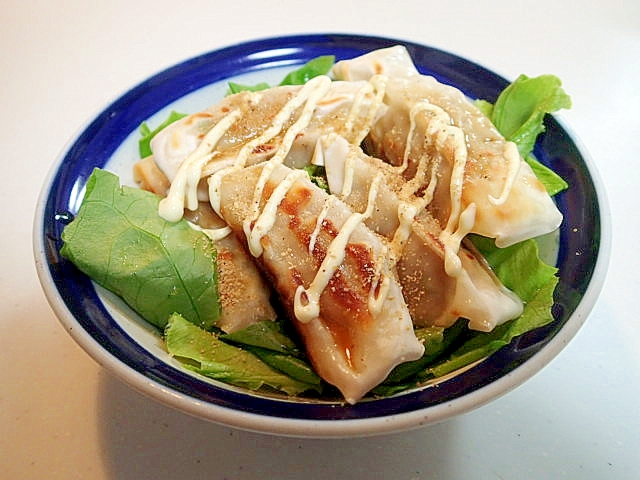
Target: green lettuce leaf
(552, 182)
(144, 143)
(157, 267)
(239, 87)
(294, 367)
(518, 266)
(267, 341)
(519, 110)
(266, 335)
(204, 353)
(314, 67)
(317, 66)
(518, 114)
(318, 175)
(484, 106)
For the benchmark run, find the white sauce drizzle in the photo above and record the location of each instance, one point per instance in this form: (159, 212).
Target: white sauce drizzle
(421, 106)
(319, 221)
(309, 93)
(259, 223)
(215, 182)
(512, 155)
(407, 212)
(349, 171)
(427, 196)
(267, 218)
(214, 234)
(312, 91)
(455, 136)
(307, 300)
(377, 85)
(309, 89)
(460, 223)
(411, 187)
(184, 188)
(452, 263)
(354, 112)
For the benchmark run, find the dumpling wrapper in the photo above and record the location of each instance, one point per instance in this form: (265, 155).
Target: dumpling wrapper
(432, 295)
(351, 345)
(346, 108)
(444, 127)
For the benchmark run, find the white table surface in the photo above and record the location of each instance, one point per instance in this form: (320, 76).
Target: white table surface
(64, 417)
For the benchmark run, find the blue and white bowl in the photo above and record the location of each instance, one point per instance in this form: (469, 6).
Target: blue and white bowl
(115, 337)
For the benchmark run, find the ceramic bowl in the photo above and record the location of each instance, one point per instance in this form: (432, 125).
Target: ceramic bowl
(119, 341)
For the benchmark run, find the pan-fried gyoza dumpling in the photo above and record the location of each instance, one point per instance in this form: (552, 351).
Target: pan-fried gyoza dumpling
(330, 270)
(427, 121)
(436, 293)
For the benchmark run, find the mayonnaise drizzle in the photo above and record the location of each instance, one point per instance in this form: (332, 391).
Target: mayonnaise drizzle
(354, 112)
(309, 94)
(512, 155)
(349, 171)
(411, 187)
(460, 222)
(407, 212)
(307, 300)
(259, 222)
(184, 188)
(452, 262)
(376, 85)
(418, 107)
(214, 234)
(319, 221)
(455, 136)
(267, 218)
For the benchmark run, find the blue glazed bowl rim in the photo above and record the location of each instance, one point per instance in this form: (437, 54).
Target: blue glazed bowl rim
(583, 255)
